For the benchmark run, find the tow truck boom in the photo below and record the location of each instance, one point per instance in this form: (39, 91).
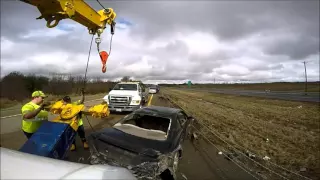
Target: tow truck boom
(55, 10)
(54, 138)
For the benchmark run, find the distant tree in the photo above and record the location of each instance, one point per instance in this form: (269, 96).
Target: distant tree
(17, 86)
(13, 86)
(126, 79)
(34, 82)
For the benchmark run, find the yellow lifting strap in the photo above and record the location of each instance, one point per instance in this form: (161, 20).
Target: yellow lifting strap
(69, 113)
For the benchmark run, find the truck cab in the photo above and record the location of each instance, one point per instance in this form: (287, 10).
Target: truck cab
(126, 96)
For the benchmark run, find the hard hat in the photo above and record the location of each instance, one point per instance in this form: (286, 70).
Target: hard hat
(38, 94)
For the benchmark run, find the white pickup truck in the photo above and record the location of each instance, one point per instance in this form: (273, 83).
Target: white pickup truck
(126, 96)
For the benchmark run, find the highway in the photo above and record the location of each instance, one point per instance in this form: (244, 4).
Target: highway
(199, 161)
(284, 95)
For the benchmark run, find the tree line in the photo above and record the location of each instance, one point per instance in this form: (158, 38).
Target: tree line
(17, 86)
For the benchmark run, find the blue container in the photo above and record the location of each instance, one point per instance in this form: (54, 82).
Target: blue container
(51, 140)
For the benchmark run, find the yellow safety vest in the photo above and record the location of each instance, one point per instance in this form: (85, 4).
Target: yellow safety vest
(29, 126)
(80, 122)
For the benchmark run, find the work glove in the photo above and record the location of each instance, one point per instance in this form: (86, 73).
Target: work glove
(44, 105)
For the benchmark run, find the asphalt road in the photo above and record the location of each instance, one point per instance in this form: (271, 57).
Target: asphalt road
(200, 160)
(285, 95)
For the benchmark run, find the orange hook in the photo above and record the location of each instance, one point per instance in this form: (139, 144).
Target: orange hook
(104, 58)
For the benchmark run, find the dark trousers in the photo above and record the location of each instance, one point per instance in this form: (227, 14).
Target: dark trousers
(28, 135)
(81, 133)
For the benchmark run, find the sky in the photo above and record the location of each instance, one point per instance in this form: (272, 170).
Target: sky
(171, 41)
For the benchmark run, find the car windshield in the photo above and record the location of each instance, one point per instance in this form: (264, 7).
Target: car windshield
(145, 126)
(129, 87)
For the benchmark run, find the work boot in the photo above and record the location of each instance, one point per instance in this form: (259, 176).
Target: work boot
(85, 145)
(73, 147)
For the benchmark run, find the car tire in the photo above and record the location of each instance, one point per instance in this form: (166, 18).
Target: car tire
(142, 104)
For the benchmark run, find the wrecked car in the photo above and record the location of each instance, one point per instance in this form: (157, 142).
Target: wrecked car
(148, 142)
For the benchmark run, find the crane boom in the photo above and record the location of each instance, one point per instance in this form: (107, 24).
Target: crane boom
(55, 10)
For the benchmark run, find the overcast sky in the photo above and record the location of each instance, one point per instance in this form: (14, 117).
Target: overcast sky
(202, 41)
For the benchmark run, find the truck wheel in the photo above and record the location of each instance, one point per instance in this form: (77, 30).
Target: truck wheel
(142, 104)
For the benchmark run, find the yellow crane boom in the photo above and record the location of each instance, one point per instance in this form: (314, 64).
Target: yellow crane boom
(55, 10)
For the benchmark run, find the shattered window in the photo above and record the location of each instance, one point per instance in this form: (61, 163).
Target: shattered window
(149, 122)
(147, 126)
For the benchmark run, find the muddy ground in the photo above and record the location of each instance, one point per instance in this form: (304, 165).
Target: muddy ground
(200, 160)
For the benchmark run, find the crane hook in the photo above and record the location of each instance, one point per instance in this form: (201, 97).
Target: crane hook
(103, 54)
(104, 58)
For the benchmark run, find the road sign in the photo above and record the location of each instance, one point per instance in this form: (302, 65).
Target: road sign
(189, 84)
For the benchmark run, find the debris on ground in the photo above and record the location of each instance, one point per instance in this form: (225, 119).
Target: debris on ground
(194, 136)
(184, 176)
(219, 152)
(299, 107)
(303, 169)
(250, 154)
(231, 155)
(262, 175)
(266, 158)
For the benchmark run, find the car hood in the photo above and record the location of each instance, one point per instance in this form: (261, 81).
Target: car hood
(144, 158)
(123, 92)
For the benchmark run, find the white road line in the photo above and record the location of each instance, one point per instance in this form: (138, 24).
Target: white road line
(5, 117)
(10, 116)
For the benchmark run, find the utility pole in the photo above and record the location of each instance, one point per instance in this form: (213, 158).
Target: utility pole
(305, 74)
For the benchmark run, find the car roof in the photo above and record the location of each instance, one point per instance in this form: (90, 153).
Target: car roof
(128, 83)
(160, 111)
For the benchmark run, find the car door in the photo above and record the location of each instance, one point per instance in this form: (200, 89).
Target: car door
(182, 119)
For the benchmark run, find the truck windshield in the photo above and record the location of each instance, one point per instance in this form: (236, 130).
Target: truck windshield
(129, 87)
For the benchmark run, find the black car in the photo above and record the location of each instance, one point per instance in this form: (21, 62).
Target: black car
(148, 142)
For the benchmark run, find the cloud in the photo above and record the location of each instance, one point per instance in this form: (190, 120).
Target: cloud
(172, 41)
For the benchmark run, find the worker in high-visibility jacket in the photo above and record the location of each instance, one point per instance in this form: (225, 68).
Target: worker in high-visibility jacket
(80, 130)
(33, 114)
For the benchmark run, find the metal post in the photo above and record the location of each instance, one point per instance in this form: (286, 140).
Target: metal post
(305, 74)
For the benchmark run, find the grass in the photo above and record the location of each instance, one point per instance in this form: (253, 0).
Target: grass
(291, 127)
(6, 103)
(280, 86)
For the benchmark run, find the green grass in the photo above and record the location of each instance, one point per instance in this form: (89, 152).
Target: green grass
(292, 128)
(311, 87)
